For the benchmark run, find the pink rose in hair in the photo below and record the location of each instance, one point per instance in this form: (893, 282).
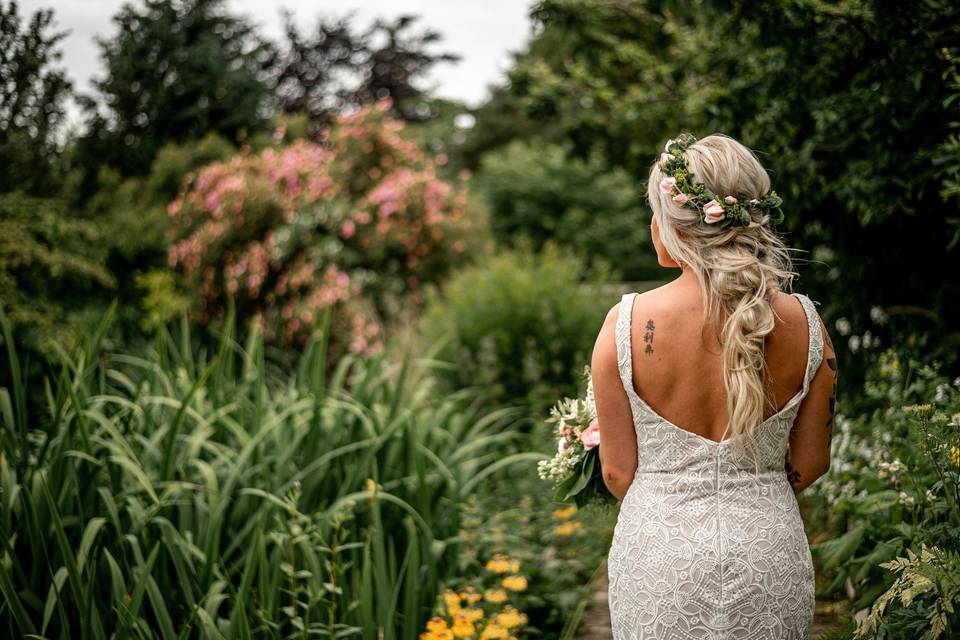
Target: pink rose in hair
(730, 200)
(667, 185)
(591, 436)
(681, 198)
(713, 212)
(664, 159)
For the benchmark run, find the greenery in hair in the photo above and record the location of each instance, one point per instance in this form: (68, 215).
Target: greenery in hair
(699, 196)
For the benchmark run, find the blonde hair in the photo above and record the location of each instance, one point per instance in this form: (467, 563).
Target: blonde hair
(739, 269)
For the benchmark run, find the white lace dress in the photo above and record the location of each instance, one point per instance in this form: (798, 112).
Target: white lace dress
(707, 545)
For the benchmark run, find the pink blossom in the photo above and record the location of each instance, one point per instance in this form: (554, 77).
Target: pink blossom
(713, 212)
(667, 185)
(349, 228)
(681, 198)
(730, 200)
(590, 437)
(664, 159)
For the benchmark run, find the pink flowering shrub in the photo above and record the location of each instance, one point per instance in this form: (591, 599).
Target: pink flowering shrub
(359, 222)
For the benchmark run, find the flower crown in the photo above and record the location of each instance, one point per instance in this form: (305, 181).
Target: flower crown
(728, 211)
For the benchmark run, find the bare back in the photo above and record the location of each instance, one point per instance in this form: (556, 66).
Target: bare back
(677, 366)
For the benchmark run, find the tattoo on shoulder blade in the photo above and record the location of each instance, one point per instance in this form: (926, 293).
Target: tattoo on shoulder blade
(648, 337)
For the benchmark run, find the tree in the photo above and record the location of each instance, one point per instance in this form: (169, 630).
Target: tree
(32, 95)
(339, 68)
(175, 70)
(845, 103)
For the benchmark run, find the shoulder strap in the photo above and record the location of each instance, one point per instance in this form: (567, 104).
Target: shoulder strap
(814, 342)
(624, 356)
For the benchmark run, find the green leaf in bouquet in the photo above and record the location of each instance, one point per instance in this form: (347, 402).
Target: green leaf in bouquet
(586, 473)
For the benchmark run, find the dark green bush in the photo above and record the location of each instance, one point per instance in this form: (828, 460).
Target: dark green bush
(520, 326)
(537, 192)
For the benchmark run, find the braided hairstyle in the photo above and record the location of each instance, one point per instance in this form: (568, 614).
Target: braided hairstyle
(739, 269)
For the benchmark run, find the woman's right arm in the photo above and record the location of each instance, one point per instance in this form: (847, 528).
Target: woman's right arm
(809, 455)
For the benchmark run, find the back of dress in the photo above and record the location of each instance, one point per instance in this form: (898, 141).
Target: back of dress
(709, 542)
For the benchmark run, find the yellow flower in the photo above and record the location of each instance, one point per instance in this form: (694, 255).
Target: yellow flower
(463, 626)
(496, 596)
(499, 563)
(451, 600)
(472, 614)
(568, 528)
(510, 618)
(494, 632)
(515, 583)
(955, 456)
(470, 597)
(436, 624)
(565, 513)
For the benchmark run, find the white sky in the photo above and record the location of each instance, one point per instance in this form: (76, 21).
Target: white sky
(483, 32)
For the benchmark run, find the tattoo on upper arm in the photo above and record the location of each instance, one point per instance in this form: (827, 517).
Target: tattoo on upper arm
(793, 476)
(648, 337)
(832, 363)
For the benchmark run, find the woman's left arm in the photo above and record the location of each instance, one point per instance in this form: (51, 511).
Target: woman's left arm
(618, 439)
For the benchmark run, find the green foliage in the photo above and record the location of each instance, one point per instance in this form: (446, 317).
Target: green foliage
(894, 489)
(851, 106)
(181, 493)
(52, 271)
(519, 326)
(32, 97)
(537, 193)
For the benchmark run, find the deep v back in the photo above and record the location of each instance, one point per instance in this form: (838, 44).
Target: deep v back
(642, 409)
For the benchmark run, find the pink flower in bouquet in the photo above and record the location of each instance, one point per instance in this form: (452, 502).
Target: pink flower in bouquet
(681, 198)
(591, 436)
(668, 185)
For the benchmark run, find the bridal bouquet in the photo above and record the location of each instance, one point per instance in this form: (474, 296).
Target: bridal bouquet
(575, 469)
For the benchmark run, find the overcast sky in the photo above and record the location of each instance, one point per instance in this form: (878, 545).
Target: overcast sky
(484, 33)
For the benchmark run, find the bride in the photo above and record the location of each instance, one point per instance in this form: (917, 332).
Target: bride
(715, 396)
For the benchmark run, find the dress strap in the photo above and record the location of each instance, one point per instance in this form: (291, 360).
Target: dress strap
(814, 342)
(624, 355)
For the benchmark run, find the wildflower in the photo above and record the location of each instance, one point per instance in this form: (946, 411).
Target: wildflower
(509, 618)
(451, 600)
(496, 596)
(878, 315)
(499, 563)
(436, 624)
(955, 456)
(470, 597)
(472, 614)
(565, 513)
(494, 632)
(843, 326)
(906, 499)
(567, 528)
(462, 626)
(515, 583)
(854, 343)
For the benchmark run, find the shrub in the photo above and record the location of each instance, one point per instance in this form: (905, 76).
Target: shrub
(519, 327)
(175, 494)
(894, 496)
(536, 192)
(358, 224)
(52, 271)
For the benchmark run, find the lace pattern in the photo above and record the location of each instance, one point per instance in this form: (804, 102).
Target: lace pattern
(709, 544)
